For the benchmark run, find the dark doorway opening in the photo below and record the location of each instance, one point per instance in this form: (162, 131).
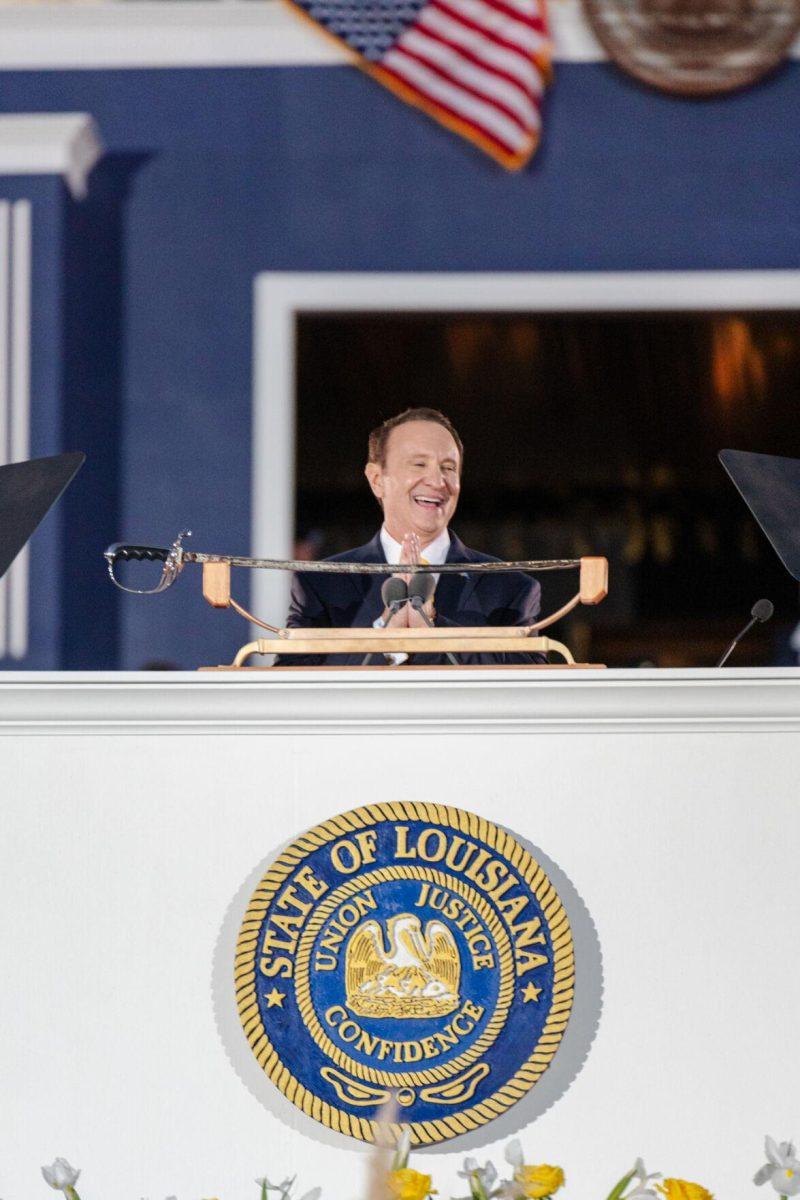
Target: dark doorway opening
(584, 433)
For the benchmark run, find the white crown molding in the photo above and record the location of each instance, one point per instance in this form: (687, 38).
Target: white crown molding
(201, 33)
(473, 701)
(66, 144)
(159, 33)
(205, 33)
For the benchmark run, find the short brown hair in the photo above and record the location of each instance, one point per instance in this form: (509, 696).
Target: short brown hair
(379, 438)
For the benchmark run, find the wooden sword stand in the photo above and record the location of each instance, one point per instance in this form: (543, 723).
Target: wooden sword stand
(489, 639)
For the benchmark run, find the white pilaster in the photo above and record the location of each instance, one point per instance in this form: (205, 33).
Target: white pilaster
(66, 144)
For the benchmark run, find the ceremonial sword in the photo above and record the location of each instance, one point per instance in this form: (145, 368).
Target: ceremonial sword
(176, 556)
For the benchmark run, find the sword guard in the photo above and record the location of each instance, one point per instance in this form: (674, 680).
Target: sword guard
(172, 559)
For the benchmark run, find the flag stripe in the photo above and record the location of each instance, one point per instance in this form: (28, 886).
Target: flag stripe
(530, 10)
(512, 160)
(518, 13)
(485, 116)
(448, 76)
(493, 144)
(487, 35)
(519, 71)
(488, 20)
(482, 83)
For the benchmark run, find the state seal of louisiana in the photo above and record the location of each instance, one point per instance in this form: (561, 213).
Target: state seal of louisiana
(408, 952)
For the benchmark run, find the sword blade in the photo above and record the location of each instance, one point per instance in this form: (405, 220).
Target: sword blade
(350, 568)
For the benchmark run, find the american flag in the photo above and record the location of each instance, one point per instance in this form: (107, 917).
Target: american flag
(477, 66)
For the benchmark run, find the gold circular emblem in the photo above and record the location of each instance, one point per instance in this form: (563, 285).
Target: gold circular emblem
(695, 48)
(405, 952)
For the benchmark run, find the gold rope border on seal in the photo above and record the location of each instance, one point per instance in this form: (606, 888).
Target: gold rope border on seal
(303, 991)
(439, 1129)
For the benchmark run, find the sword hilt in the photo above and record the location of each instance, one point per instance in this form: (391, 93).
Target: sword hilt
(120, 552)
(172, 559)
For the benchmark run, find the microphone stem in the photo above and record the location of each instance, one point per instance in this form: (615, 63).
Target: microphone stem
(736, 641)
(393, 608)
(416, 604)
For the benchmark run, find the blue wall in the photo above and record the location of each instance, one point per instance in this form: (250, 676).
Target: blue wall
(214, 175)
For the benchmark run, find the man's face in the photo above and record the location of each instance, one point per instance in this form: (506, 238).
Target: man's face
(420, 481)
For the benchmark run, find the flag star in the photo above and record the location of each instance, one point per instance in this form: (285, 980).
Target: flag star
(531, 992)
(274, 997)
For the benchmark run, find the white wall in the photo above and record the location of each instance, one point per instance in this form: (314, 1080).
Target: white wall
(136, 812)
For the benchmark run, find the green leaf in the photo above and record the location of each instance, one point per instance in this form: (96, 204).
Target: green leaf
(618, 1191)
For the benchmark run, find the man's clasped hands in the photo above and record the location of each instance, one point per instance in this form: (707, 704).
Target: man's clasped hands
(407, 617)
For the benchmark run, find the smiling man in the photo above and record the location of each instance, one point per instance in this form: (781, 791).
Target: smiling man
(414, 470)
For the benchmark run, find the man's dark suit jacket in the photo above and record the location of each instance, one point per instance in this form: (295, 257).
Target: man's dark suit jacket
(354, 602)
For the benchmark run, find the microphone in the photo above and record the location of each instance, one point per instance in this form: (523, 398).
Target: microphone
(394, 593)
(420, 590)
(761, 611)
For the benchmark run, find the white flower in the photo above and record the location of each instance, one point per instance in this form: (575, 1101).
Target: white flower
(60, 1175)
(511, 1189)
(782, 1169)
(481, 1179)
(639, 1178)
(285, 1189)
(514, 1155)
(641, 1191)
(402, 1149)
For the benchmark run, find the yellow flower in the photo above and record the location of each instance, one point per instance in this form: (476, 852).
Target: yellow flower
(538, 1182)
(679, 1189)
(406, 1184)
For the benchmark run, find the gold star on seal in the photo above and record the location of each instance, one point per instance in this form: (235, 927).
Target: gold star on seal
(531, 992)
(274, 997)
